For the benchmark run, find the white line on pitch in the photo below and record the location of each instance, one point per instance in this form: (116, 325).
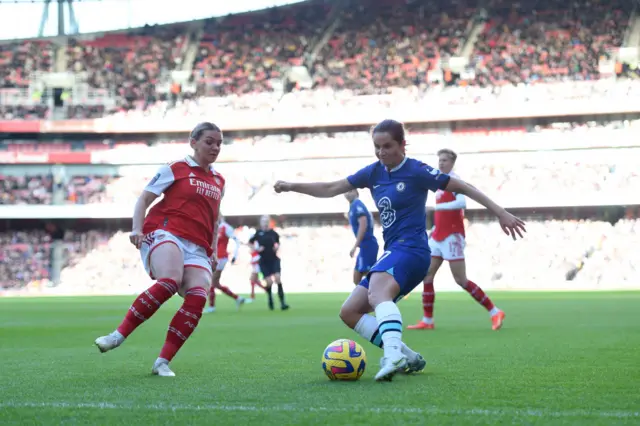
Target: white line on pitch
(355, 409)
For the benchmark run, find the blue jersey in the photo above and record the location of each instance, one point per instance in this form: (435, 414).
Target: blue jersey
(357, 209)
(401, 197)
(368, 252)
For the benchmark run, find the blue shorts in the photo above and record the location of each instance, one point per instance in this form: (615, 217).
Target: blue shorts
(408, 266)
(367, 256)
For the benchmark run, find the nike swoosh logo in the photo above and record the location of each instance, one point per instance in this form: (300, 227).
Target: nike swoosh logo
(375, 186)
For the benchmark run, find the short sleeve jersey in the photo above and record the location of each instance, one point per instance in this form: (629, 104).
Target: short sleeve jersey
(357, 209)
(401, 195)
(447, 222)
(268, 240)
(191, 202)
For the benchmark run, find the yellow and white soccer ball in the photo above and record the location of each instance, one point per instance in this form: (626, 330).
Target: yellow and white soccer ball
(344, 359)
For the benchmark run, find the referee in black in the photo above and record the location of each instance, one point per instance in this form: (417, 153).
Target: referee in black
(268, 241)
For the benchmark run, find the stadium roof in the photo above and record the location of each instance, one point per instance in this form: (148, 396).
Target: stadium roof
(21, 18)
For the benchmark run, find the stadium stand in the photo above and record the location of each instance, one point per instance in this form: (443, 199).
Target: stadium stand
(369, 55)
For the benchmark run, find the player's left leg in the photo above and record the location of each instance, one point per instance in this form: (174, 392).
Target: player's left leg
(278, 280)
(276, 270)
(459, 272)
(195, 283)
(354, 313)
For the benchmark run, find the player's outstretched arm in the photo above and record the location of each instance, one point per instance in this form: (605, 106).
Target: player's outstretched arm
(315, 189)
(139, 212)
(511, 225)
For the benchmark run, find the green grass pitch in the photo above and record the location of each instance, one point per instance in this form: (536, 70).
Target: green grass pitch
(562, 358)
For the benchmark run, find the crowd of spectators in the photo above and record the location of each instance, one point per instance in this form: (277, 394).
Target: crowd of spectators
(556, 254)
(26, 256)
(549, 40)
(40, 189)
(375, 47)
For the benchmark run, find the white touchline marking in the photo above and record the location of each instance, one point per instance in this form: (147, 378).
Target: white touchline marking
(355, 409)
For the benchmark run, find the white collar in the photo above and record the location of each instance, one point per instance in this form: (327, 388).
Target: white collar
(192, 163)
(398, 167)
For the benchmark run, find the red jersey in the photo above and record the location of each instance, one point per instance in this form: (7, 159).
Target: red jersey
(191, 202)
(447, 222)
(225, 232)
(255, 257)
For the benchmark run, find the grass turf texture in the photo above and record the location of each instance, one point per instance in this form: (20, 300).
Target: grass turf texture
(561, 359)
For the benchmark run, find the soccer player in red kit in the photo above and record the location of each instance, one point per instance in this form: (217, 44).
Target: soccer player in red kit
(225, 233)
(447, 242)
(177, 241)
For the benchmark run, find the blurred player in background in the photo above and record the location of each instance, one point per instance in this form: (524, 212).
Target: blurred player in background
(366, 244)
(254, 278)
(399, 186)
(267, 241)
(177, 242)
(447, 242)
(225, 233)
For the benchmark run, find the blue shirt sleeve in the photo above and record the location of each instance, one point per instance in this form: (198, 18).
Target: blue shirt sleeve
(362, 178)
(431, 179)
(359, 208)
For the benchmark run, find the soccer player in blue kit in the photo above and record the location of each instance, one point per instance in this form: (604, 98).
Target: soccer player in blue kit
(399, 186)
(361, 222)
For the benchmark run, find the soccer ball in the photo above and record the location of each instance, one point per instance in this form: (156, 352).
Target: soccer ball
(344, 359)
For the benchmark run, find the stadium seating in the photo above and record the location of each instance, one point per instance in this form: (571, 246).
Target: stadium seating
(557, 254)
(373, 47)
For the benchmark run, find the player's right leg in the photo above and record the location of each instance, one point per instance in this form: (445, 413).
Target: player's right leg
(217, 274)
(428, 296)
(212, 288)
(268, 279)
(164, 260)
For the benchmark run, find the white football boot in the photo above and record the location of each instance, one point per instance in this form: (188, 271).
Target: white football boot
(209, 309)
(391, 365)
(108, 342)
(240, 301)
(161, 368)
(415, 364)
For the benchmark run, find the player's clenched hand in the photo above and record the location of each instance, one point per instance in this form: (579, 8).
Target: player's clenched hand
(511, 225)
(136, 238)
(281, 186)
(353, 251)
(214, 262)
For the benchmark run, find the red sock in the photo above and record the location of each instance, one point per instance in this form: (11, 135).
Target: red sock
(428, 299)
(212, 297)
(184, 322)
(227, 291)
(146, 304)
(260, 285)
(477, 293)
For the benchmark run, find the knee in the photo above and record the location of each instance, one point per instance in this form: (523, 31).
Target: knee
(461, 280)
(348, 316)
(175, 276)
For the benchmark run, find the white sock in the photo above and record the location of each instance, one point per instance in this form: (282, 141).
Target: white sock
(408, 352)
(390, 327)
(119, 337)
(161, 361)
(427, 320)
(494, 311)
(366, 327)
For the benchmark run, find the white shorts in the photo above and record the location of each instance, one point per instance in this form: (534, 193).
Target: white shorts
(222, 263)
(450, 249)
(193, 256)
(255, 268)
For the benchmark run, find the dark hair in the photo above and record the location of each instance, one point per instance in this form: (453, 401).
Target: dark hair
(197, 131)
(393, 127)
(450, 153)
